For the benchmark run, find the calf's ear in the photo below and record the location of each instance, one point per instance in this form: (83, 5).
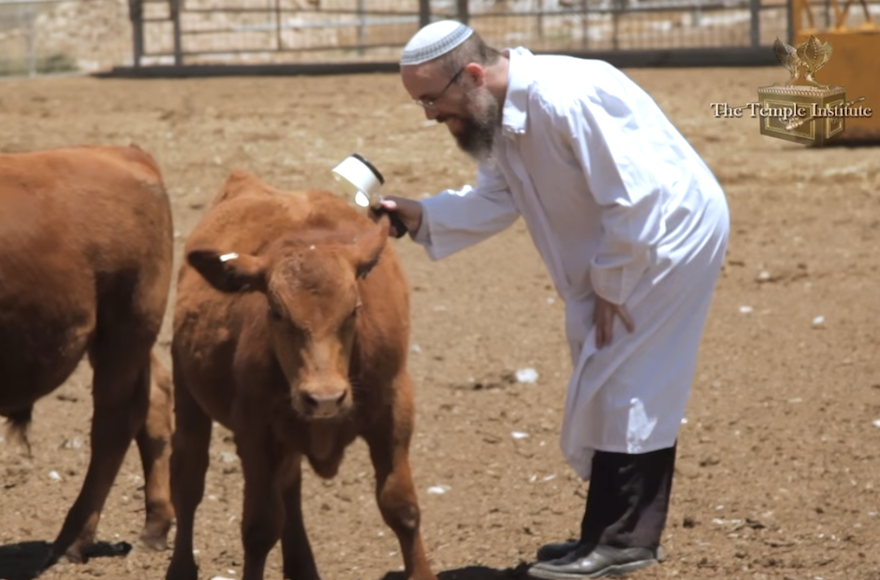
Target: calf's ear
(368, 247)
(230, 272)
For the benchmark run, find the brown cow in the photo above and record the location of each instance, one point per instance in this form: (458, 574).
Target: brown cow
(86, 237)
(281, 336)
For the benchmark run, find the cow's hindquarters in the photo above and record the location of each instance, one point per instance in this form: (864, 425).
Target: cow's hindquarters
(154, 445)
(121, 393)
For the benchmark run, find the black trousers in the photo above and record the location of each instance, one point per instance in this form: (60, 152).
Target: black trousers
(628, 499)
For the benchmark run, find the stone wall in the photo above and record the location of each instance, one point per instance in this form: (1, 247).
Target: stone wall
(83, 35)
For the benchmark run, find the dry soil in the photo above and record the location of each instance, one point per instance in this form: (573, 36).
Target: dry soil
(778, 469)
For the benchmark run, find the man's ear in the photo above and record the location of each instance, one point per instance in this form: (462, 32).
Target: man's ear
(369, 246)
(230, 272)
(477, 73)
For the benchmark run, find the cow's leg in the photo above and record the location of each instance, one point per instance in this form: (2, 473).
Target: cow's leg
(190, 445)
(263, 515)
(120, 395)
(389, 442)
(154, 445)
(299, 562)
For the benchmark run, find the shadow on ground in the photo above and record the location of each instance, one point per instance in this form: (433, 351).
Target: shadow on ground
(474, 573)
(27, 560)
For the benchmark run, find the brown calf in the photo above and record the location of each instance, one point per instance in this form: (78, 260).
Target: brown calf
(291, 329)
(85, 267)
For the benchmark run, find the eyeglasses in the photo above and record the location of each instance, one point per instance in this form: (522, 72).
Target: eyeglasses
(432, 103)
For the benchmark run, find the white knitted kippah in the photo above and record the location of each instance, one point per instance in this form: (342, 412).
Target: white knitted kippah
(434, 40)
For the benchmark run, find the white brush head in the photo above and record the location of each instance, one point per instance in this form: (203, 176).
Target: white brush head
(360, 178)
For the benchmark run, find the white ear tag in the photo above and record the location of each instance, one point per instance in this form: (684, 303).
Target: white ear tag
(229, 256)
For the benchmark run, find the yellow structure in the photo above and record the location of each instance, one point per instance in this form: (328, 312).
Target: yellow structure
(855, 64)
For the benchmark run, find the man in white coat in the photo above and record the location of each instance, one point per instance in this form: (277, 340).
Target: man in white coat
(633, 228)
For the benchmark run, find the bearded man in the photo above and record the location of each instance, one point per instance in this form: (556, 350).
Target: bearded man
(633, 228)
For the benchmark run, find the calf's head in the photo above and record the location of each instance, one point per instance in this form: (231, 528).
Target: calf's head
(310, 281)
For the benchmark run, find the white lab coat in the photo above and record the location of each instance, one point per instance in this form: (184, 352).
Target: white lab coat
(618, 204)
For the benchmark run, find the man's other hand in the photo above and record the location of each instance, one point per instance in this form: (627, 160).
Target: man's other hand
(603, 317)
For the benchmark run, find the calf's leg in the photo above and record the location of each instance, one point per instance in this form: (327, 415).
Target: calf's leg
(389, 442)
(120, 394)
(154, 445)
(190, 445)
(299, 561)
(263, 517)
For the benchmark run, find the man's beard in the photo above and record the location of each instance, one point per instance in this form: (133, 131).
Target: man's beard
(480, 128)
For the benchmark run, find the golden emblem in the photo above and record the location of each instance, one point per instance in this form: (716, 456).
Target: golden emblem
(812, 55)
(811, 113)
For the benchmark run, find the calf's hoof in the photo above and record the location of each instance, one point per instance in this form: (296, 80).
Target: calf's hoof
(181, 569)
(155, 537)
(76, 553)
(422, 575)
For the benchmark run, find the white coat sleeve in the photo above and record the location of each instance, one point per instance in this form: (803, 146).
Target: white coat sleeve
(619, 175)
(453, 220)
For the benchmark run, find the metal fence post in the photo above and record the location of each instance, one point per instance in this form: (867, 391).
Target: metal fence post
(424, 13)
(362, 26)
(175, 18)
(30, 34)
(755, 6)
(539, 21)
(279, 44)
(136, 15)
(616, 10)
(463, 11)
(585, 40)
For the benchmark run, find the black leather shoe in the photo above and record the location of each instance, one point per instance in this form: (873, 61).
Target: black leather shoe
(602, 562)
(557, 550)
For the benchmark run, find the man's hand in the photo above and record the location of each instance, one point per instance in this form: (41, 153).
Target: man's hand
(603, 317)
(408, 210)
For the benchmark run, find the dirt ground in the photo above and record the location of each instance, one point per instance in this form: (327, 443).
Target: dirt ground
(778, 473)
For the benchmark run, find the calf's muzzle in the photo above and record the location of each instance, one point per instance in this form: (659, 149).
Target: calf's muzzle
(325, 405)
(325, 401)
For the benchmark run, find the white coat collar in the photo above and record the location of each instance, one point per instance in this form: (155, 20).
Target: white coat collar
(519, 78)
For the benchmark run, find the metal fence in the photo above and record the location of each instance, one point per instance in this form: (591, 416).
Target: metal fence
(178, 37)
(185, 32)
